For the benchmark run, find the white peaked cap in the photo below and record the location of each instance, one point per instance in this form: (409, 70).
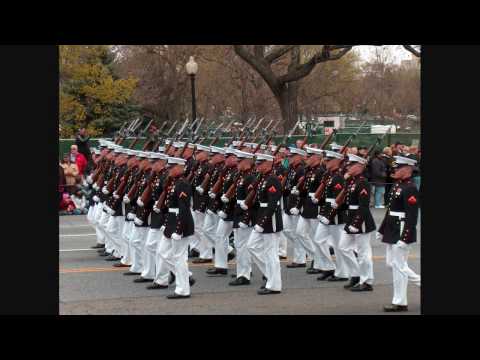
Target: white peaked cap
(161, 148)
(97, 151)
(216, 149)
(167, 142)
(312, 150)
(156, 155)
(175, 160)
(236, 143)
(178, 144)
(250, 145)
(333, 154)
(262, 157)
(244, 154)
(335, 146)
(230, 150)
(202, 147)
(294, 150)
(403, 160)
(356, 158)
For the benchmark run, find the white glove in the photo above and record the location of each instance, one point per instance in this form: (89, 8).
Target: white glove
(323, 219)
(225, 199)
(140, 202)
(156, 209)
(242, 225)
(176, 236)
(89, 179)
(294, 211)
(258, 228)
(210, 212)
(138, 221)
(105, 191)
(115, 196)
(243, 205)
(212, 195)
(96, 198)
(222, 214)
(162, 228)
(378, 236)
(353, 229)
(199, 190)
(314, 199)
(112, 212)
(130, 216)
(402, 245)
(126, 200)
(95, 186)
(294, 191)
(334, 205)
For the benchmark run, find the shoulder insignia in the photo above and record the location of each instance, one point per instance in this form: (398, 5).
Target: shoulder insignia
(412, 200)
(338, 187)
(364, 192)
(272, 189)
(183, 194)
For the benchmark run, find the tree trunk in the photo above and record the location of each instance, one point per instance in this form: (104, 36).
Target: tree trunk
(288, 102)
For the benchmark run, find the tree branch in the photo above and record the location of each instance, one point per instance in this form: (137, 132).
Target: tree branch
(411, 49)
(278, 52)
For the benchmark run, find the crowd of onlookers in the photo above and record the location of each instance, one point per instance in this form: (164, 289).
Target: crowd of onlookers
(73, 190)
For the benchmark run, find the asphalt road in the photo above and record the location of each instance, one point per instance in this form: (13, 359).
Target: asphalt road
(90, 285)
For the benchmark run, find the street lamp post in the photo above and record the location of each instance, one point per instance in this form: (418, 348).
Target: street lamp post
(192, 68)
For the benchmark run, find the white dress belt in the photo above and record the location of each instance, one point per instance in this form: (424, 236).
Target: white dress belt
(399, 214)
(330, 200)
(353, 207)
(173, 210)
(266, 204)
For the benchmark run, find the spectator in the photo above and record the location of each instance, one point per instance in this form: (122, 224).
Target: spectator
(387, 157)
(362, 151)
(80, 202)
(353, 150)
(70, 171)
(78, 158)
(61, 183)
(416, 171)
(82, 142)
(378, 172)
(66, 205)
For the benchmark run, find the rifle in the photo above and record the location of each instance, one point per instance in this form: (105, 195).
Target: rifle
(288, 136)
(179, 132)
(159, 138)
(140, 134)
(119, 133)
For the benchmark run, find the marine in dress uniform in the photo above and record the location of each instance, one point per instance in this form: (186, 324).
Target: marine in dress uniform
(359, 227)
(399, 229)
(243, 219)
(281, 171)
(291, 205)
(331, 220)
(225, 210)
(263, 244)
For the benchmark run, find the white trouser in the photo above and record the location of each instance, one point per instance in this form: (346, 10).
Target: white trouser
(137, 243)
(98, 228)
(289, 229)
(341, 269)
(321, 241)
(244, 261)
(149, 251)
(363, 265)
(163, 261)
(114, 231)
(397, 259)
(346, 247)
(90, 213)
(201, 243)
(306, 229)
(282, 244)
(195, 243)
(273, 271)
(224, 229)
(104, 217)
(256, 249)
(210, 225)
(126, 235)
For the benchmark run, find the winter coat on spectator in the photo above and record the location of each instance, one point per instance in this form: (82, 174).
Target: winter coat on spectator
(81, 162)
(80, 202)
(71, 172)
(378, 170)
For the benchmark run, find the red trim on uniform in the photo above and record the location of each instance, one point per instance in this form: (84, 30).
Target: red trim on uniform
(272, 189)
(412, 200)
(338, 187)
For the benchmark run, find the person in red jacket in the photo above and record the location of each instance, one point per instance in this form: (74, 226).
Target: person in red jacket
(79, 159)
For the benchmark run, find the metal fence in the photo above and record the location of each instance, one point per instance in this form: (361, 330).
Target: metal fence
(360, 140)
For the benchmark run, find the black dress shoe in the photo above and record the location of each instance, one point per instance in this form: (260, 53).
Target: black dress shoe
(295, 265)
(176, 296)
(217, 271)
(201, 261)
(120, 265)
(267, 292)
(336, 278)
(128, 273)
(156, 286)
(326, 275)
(101, 250)
(193, 254)
(105, 254)
(98, 246)
(112, 258)
(171, 278)
(282, 257)
(353, 281)
(191, 281)
(395, 308)
(362, 287)
(239, 281)
(231, 256)
(142, 280)
(314, 271)
(332, 252)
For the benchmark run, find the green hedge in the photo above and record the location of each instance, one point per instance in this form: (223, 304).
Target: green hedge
(360, 140)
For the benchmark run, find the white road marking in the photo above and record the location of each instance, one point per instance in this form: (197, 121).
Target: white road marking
(76, 235)
(65, 250)
(72, 226)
